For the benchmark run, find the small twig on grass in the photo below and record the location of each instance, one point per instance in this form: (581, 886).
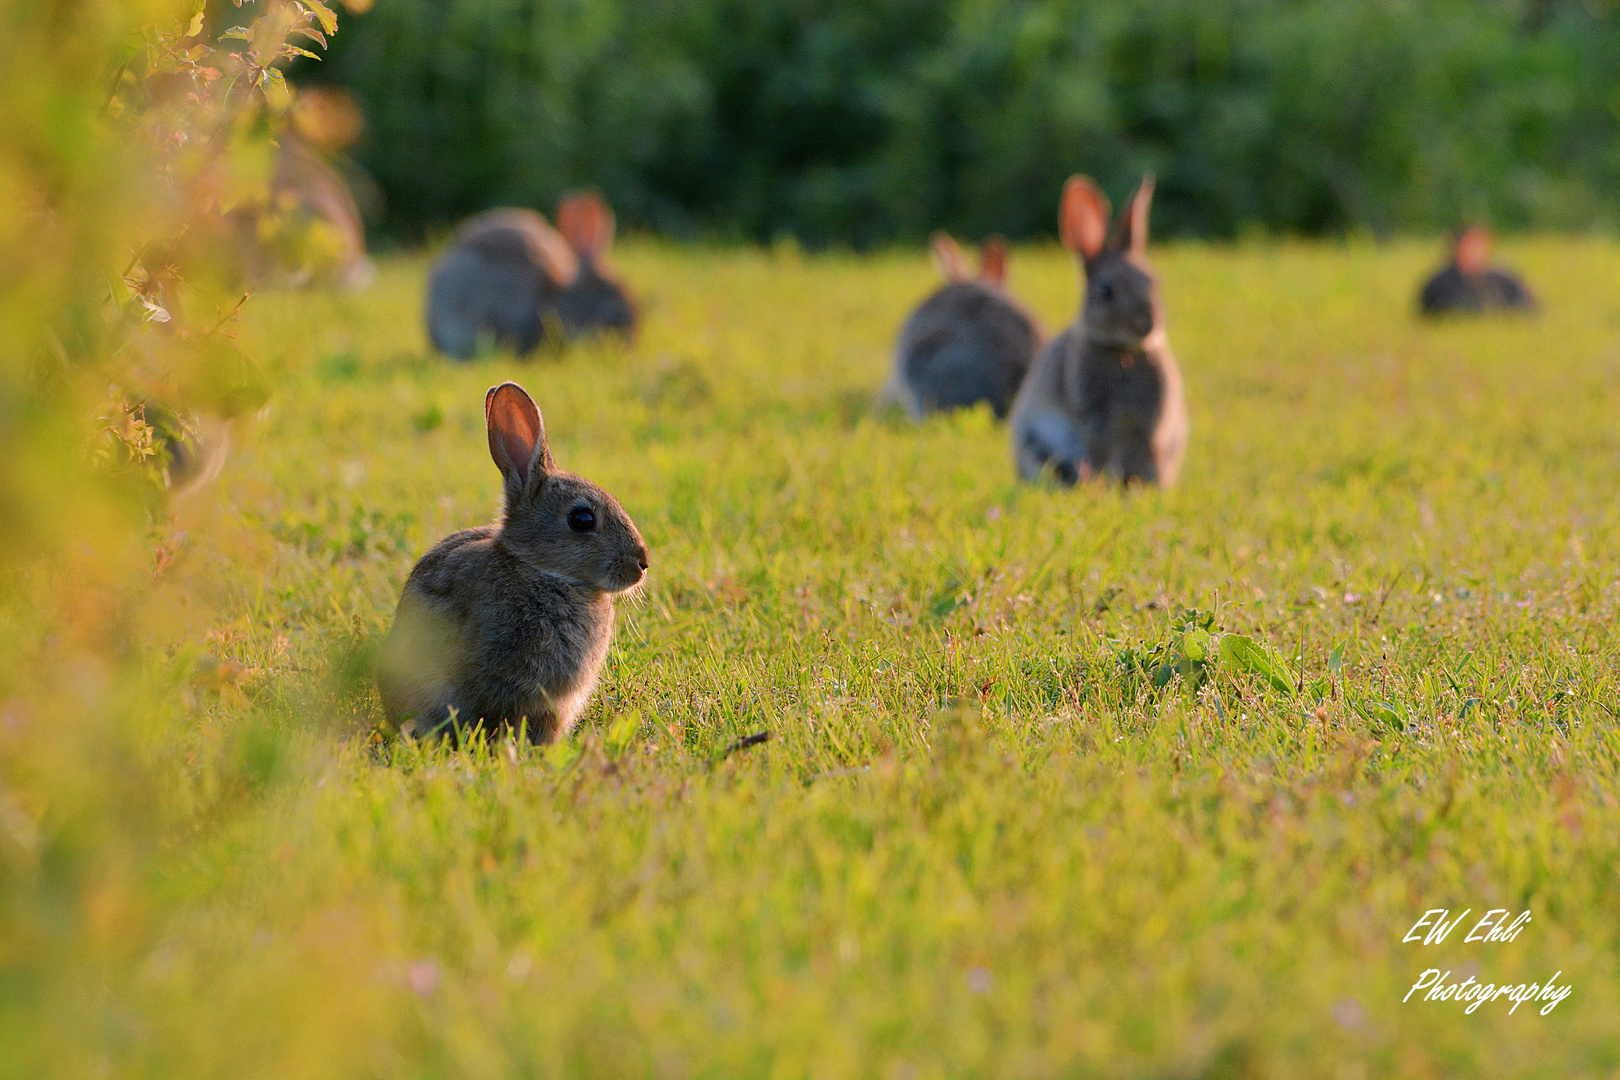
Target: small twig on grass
(1384, 598)
(744, 743)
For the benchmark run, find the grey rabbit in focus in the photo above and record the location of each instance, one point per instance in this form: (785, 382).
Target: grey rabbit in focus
(1104, 398)
(1469, 283)
(968, 342)
(503, 628)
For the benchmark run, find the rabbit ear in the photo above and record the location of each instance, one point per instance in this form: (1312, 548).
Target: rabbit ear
(1083, 218)
(517, 436)
(1472, 250)
(993, 261)
(1133, 230)
(948, 258)
(586, 223)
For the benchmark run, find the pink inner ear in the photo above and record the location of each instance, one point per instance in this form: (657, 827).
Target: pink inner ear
(587, 223)
(514, 428)
(948, 258)
(1140, 202)
(1083, 217)
(995, 261)
(519, 451)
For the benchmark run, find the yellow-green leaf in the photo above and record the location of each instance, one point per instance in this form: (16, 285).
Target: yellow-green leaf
(323, 13)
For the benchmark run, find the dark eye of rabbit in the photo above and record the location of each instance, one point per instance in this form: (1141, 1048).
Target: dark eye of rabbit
(1105, 291)
(582, 519)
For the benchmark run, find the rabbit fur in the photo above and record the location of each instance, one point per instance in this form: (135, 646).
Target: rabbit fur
(597, 301)
(1468, 283)
(512, 280)
(1104, 398)
(499, 282)
(504, 627)
(968, 342)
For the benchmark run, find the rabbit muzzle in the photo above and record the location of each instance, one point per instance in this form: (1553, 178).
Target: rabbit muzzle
(629, 571)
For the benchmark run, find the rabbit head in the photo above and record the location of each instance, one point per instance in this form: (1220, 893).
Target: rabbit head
(953, 265)
(598, 300)
(1471, 250)
(554, 520)
(1121, 306)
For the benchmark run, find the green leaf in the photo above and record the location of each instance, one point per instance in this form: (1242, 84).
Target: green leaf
(622, 733)
(1245, 654)
(1387, 715)
(274, 86)
(1196, 644)
(323, 13)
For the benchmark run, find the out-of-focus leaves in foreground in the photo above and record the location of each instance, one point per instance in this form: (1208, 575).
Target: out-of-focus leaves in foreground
(137, 145)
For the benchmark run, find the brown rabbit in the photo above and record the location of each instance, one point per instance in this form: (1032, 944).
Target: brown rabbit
(968, 342)
(1105, 397)
(1469, 283)
(315, 195)
(504, 627)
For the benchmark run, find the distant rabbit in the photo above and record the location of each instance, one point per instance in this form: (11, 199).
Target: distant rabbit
(1470, 284)
(500, 282)
(968, 342)
(310, 188)
(1104, 398)
(597, 300)
(504, 627)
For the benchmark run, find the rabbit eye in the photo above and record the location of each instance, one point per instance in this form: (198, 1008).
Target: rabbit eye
(582, 519)
(1105, 290)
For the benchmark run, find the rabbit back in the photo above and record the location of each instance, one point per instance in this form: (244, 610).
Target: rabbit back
(1452, 291)
(487, 285)
(965, 344)
(504, 646)
(500, 280)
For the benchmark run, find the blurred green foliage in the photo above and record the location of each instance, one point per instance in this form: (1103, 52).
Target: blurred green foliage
(858, 121)
(136, 147)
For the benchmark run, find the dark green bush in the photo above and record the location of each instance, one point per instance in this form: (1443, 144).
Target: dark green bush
(858, 121)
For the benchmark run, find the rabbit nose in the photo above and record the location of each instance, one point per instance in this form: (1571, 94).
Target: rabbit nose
(641, 558)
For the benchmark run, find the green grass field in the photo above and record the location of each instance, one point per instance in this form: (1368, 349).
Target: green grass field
(1005, 826)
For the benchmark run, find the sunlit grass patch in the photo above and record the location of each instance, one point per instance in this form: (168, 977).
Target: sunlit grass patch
(1006, 823)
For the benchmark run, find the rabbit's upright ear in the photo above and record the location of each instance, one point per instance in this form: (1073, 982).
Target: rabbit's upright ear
(1472, 250)
(1134, 229)
(948, 258)
(586, 223)
(1083, 218)
(517, 437)
(993, 261)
